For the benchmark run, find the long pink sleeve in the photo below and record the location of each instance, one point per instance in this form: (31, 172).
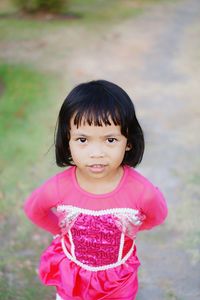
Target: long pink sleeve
(153, 205)
(38, 206)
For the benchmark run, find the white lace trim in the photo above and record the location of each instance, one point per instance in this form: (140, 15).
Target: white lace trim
(95, 269)
(72, 244)
(121, 246)
(58, 297)
(75, 209)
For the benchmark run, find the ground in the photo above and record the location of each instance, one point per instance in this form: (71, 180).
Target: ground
(155, 58)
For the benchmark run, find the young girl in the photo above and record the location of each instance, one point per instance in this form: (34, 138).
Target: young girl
(95, 207)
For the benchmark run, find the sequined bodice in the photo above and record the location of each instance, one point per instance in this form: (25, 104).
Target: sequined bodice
(98, 238)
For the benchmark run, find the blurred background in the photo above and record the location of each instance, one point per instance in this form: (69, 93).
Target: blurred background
(151, 49)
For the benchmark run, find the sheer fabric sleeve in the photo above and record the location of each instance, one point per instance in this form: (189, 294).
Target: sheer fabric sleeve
(39, 206)
(154, 207)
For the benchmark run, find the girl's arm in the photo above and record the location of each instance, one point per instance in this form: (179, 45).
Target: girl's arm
(38, 206)
(154, 207)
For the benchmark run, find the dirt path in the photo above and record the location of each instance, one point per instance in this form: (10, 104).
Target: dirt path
(155, 57)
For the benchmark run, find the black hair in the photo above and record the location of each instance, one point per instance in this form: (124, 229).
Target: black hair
(98, 102)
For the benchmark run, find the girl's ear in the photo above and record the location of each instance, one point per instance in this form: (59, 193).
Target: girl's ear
(128, 147)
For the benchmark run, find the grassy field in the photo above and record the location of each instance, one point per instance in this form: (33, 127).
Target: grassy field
(25, 99)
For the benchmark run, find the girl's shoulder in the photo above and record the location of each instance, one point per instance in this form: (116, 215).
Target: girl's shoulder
(136, 177)
(148, 194)
(59, 179)
(141, 185)
(66, 173)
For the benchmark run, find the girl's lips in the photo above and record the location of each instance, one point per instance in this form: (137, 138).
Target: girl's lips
(97, 168)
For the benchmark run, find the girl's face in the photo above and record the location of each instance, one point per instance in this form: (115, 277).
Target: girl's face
(97, 151)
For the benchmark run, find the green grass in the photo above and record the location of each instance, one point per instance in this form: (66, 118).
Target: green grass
(103, 10)
(24, 91)
(14, 27)
(25, 102)
(25, 105)
(85, 13)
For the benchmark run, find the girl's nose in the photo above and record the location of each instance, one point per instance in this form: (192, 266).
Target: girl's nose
(96, 155)
(96, 152)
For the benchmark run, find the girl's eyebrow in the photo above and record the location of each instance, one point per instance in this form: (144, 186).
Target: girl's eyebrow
(79, 134)
(112, 134)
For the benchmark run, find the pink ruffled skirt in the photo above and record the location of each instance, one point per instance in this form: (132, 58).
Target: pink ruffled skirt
(74, 282)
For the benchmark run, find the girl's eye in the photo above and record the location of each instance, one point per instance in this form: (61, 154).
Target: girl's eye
(111, 140)
(82, 140)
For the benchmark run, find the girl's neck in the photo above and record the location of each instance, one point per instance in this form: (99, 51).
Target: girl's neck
(99, 185)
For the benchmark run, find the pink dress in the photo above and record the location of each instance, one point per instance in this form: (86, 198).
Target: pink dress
(94, 255)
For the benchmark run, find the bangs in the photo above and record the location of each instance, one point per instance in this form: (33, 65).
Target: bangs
(97, 112)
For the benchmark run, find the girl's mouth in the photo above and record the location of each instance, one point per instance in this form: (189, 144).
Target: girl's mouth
(97, 168)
